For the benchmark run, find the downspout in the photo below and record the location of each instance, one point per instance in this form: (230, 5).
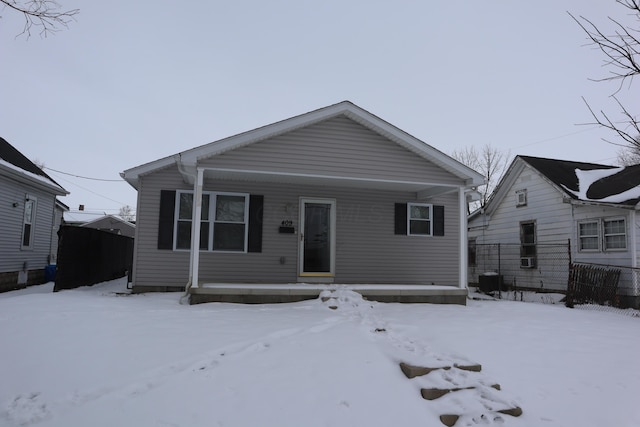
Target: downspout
(195, 224)
(462, 208)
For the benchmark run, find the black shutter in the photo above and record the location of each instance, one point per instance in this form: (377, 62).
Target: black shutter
(438, 220)
(165, 223)
(256, 204)
(401, 218)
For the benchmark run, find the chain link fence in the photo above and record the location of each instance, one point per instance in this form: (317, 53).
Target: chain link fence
(504, 265)
(548, 268)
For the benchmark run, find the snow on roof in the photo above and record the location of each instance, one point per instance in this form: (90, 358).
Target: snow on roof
(12, 158)
(587, 180)
(82, 216)
(35, 177)
(591, 182)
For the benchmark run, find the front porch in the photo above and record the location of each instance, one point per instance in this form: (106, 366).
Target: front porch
(282, 293)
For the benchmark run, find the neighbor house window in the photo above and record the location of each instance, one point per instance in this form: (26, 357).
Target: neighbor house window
(419, 219)
(615, 234)
(224, 221)
(528, 239)
(521, 197)
(28, 222)
(588, 235)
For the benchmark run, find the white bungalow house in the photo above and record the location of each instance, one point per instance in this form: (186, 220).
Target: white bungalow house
(546, 201)
(333, 196)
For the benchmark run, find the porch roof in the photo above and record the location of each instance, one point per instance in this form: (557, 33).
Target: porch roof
(423, 189)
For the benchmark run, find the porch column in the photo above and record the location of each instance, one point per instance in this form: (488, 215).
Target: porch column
(633, 234)
(462, 208)
(194, 261)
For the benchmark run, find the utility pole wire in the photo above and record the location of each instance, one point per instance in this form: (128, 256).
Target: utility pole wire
(84, 177)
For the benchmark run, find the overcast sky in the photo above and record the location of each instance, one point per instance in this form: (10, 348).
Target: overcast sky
(131, 82)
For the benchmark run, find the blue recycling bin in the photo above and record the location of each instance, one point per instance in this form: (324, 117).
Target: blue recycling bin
(50, 273)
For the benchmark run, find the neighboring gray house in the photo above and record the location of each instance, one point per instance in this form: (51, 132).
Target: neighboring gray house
(112, 224)
(28, 211)
(336, 195)
(545, 201)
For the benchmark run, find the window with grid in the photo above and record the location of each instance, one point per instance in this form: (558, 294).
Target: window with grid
(420, 219)
(588, 236)
(28, 222)
(224, 221)
(528, 239)
(615, 234)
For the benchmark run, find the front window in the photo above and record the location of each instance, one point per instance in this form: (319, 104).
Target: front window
(615, 234)
(419, 219)
(588, 236)
(228, 229)
(28, 223)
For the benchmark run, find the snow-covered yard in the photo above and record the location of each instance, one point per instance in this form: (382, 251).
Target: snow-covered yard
(92, 357)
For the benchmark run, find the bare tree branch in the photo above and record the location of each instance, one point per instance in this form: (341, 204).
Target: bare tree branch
(629, 134)
(490, 162)
(621, 50)
(44, 14)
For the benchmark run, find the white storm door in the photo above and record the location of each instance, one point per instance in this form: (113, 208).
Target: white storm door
(317, 237)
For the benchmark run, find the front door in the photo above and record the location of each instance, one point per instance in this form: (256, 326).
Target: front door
(317, 237)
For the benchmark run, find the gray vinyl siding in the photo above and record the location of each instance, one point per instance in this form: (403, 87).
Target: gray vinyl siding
(12, 256)
(335, 147)
(367, 250)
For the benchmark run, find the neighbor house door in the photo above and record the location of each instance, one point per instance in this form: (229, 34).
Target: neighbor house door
(317, 237)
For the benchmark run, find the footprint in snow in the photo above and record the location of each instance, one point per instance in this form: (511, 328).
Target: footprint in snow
(25, 409)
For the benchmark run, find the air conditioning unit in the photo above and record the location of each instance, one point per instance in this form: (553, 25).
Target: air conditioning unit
(528, 262)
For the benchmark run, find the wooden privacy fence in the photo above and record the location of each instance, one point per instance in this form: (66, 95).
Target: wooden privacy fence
(87, 256)
(592, 284)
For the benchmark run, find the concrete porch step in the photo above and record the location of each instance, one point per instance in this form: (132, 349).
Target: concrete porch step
(435, 393)
(489, 406)
(412, 371)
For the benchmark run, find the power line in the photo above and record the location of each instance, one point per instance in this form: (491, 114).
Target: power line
(84, 177)
(558, 137)
(93, 192)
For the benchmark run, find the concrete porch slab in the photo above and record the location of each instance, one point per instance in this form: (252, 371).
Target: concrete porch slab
(276, 293)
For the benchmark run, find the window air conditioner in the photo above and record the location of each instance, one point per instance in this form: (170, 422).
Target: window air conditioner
(527, 262)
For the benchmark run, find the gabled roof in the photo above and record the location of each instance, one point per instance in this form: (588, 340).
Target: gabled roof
(585, 182)
(14, 161)
(345, 108)
(591, 182)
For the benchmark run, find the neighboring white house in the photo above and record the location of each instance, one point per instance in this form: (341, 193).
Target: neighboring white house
(545, 201)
